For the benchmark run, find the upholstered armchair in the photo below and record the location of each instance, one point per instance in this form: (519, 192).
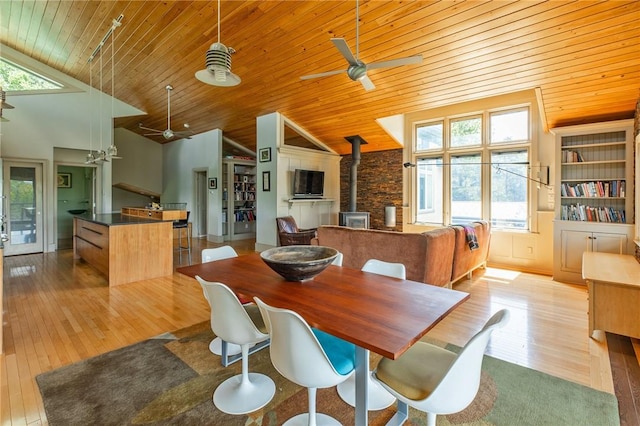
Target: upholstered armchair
(289, 234)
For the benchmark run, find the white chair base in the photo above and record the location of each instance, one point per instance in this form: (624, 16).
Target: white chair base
(216, 347)
(303, 420)
(235, 397)
(234, 352)
(378, 396)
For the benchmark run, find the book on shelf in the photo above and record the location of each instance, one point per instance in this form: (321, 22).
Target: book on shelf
(594, 189)
(570, 156)
(580, 212)
(245, 216)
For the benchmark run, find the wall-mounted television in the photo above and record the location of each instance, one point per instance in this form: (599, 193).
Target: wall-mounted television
(308, 183)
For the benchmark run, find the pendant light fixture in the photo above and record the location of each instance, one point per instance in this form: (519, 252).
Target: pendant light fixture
(101, 155)
(3, 104)
(218, 64)
(3, 100)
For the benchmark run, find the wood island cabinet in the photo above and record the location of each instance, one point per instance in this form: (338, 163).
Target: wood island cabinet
(125, 249)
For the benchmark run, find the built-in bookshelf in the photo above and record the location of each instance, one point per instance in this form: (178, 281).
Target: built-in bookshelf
(594, 194)
(239, 199)
(594, 177)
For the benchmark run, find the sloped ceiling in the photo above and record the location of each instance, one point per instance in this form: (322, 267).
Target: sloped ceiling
(582, 55)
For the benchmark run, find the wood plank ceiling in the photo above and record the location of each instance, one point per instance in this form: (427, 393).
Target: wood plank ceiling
(583, 55)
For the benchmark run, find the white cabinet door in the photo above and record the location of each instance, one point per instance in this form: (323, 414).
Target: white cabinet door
(609, 243)
(574, 243)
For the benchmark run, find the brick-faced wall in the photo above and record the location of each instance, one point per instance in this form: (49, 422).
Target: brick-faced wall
(379, 185)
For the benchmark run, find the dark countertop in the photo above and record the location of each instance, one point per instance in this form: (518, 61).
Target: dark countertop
(114, 219)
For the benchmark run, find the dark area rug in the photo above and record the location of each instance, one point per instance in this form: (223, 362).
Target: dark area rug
(169, 380)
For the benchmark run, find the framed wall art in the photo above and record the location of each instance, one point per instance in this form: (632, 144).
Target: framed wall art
(266, 181)
(265, 155)
(64, 180)
(213, 183)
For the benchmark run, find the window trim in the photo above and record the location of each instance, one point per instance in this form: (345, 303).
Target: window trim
(485, 149)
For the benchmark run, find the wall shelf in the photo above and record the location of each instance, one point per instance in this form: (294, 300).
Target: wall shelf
(292, 201)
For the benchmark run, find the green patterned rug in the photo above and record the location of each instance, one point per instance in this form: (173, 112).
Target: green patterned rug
(169, 380)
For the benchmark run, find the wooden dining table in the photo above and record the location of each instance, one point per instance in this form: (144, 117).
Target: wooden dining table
(375, 312)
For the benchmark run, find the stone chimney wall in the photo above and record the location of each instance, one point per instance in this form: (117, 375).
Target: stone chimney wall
(379, 185)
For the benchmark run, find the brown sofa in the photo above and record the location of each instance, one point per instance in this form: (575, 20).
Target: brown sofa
(429, 257)
(465, 260)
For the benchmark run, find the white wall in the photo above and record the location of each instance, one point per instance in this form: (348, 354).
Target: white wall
(181, 159)
(141, 166)
(284, 160)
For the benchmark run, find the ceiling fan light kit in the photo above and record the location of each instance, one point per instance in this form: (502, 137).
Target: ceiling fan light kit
(217, 70)
(168, 134)
(357, 70)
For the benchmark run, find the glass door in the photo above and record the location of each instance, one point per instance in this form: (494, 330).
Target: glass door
(23, 190)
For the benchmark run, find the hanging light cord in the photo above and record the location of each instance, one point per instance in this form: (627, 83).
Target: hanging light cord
(113, 68)
(218, 21)
(100, 97)
(91, 107)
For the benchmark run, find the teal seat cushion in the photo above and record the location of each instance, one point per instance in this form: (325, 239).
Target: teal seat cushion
(341, 353)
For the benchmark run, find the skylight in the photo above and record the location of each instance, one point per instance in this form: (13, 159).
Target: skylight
(16, 78)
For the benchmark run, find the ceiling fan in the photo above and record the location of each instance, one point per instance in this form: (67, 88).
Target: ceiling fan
(168, 133)
(357, 70)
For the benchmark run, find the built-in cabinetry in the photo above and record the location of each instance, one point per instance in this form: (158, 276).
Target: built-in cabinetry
(239, 186)
(594, 194)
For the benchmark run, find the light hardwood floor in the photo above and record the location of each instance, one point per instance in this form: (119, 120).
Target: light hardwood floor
(59, 311)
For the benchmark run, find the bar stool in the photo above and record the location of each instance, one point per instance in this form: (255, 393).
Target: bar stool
(183, 225)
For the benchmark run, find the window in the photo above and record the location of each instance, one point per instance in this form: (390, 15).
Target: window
(510, 126)
(429, 137)
(466, 188)
(474, 170)
(16, 78)
(509, 192)
(430, 192)
(466, 132)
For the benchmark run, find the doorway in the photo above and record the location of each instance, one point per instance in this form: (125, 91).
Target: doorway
(75, 196)
(22, 186)
(200, 216)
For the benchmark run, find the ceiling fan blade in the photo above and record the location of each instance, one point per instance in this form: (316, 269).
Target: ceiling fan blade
(367, 83)
(140, 126)
(416, 59)
(153, 134)
(342, 46)
(322, 74)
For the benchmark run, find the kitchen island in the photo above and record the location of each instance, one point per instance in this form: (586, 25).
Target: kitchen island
(124, 248)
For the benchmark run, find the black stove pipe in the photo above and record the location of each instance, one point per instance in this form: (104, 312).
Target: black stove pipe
(355, 141)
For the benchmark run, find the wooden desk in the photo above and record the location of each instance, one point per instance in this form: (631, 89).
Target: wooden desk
(614, 292)
(375, 312)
